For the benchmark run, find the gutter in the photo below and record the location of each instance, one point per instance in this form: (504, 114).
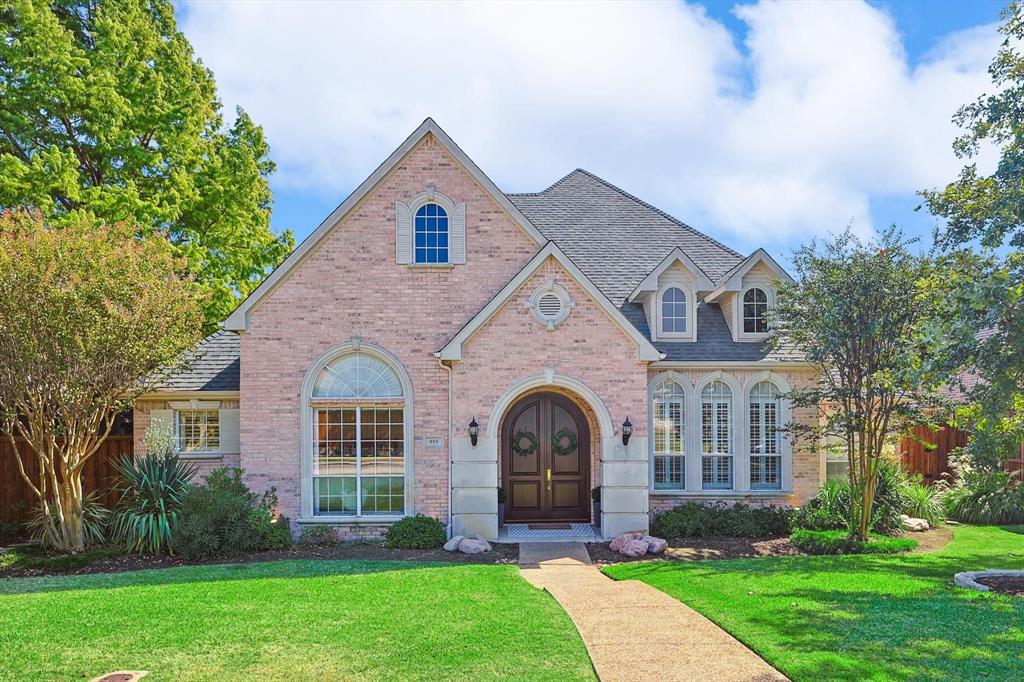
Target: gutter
(449, 441)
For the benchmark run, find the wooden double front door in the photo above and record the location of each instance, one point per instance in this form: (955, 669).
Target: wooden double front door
(545, 464)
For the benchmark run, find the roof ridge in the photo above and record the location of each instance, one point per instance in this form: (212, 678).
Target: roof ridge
(657, 210)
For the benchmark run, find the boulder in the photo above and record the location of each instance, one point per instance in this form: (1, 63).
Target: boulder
(618, 543)
(913, 524)
(474, 546)
(655, 545)
(634, 548)
(453, 544)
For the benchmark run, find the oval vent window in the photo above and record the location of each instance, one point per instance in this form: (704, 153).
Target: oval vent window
(549, 305)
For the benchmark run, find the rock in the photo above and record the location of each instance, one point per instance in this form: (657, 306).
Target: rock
(913, 524)
(634, 548)
(618, 543)
(453, 544)
(655, 545)
(474, 546)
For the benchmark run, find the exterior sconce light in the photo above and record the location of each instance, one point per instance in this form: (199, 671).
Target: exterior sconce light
(627, 431)
(474, 431)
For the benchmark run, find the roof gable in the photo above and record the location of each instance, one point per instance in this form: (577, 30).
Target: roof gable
(677, 255)
(239, 319)
(733, 280)
(453, 349)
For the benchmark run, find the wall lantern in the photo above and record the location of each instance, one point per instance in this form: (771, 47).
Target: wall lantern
(474, 431)
(627, 431)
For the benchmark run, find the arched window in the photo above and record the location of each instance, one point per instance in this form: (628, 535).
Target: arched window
(431, 234)
(358, 407)
(716, 436)
(765, 438)
(755, 311)
(673, 311)
(669, 410)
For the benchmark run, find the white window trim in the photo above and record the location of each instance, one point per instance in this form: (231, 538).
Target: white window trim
(786, 442)
(741, 335)
(687, 456)
(307, 436)
(179, 406)
(691, 312)
(456, 229)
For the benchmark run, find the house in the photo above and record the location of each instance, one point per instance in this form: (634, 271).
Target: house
(435, 339)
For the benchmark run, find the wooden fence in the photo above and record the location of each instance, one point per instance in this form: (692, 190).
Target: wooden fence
(926, 452)
(17, 500)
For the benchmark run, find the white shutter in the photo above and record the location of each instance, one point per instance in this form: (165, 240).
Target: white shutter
(457, 250)
(403, 234)
(163, 419)
(230, 443)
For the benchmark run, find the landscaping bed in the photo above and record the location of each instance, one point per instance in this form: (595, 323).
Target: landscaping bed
(1011, 586)
(28, 561)
(700, 549)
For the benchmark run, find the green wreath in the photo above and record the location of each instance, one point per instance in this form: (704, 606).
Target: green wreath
(565, 434)
(517, 445)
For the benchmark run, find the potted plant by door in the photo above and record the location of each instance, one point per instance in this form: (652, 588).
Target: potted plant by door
(501, 507)
(595, 495)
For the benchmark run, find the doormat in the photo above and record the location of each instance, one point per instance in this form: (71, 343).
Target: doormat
(550, 526)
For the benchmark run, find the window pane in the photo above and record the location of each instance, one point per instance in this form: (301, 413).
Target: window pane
(198, 430)
(669, 472)
(335, 496)
(673, 311)
(431, 234)
(755, 311)
(716, 472)
(764, 473)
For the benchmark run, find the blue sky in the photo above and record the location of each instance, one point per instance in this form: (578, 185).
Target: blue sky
(762, 124)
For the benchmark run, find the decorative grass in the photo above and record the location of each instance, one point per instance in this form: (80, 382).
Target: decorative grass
(290, 620)
(867, 617)
(839, 542)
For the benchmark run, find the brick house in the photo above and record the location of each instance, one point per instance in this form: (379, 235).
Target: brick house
(436, 339)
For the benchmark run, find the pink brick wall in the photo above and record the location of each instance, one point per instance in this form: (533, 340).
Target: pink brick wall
(587, 346)
(350, 285)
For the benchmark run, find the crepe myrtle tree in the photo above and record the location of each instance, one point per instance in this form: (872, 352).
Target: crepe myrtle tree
(91, 316)
(856, 311)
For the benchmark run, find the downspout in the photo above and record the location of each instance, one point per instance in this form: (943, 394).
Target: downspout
(449, 442)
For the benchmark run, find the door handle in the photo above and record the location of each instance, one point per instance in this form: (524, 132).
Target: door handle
(549, 478)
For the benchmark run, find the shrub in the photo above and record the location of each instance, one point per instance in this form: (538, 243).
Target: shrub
(828, 510)
(225, 517)
(95, 519)
(415, 532)
(318, 534)
(695, 520)
(890, 500)
(989, 498)
(840, 542)
(924, 501)
(152, 489)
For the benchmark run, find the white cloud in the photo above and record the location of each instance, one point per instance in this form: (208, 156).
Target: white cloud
(791, 137)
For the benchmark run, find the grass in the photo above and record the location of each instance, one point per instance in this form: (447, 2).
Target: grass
(31, 556)
(866, 617)
(290, 620)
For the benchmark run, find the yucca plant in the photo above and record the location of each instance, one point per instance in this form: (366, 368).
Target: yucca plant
(923, 501)
(152, 489)
(95, 518)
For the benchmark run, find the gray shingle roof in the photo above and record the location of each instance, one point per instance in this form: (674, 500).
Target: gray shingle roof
(212, 366)
(615, 238)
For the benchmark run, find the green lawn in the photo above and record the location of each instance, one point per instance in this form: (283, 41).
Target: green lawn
(290, 620)
(862, 617)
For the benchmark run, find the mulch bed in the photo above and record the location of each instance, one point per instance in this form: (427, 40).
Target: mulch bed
(500, 554)
(705, 549)
(1011, 586)
(701, 549)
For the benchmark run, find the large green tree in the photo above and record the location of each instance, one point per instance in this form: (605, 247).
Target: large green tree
(91, 316)
(105, 110)
(983, 239)
(856, 312)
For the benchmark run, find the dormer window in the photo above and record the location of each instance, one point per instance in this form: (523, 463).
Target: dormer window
(431, 234)
(755, 311)
(673, 311)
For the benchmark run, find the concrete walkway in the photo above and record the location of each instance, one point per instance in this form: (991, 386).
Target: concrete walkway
(633, 631)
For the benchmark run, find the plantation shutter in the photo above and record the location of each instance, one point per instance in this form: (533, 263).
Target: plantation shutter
(403, 234)
(230, 443)
(457, 253)
(162, 419)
